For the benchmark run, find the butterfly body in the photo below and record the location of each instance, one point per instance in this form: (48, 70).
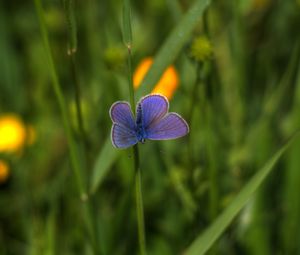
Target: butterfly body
(141, 134)
(140, 129)
(152, 122)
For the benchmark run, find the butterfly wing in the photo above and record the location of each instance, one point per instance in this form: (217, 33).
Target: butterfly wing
(151, 109)
(169, 127)
(122, 137)
(123, 134)
(120, 113)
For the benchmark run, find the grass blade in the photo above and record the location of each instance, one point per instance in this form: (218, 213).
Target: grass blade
(104, 161)
(207, 239)
(173, 44)
(62, 103)
(291, 219)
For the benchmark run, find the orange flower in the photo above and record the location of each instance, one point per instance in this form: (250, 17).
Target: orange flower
(167, 84)
(4, 171)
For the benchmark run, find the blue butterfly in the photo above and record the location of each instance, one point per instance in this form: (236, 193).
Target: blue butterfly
(152, 122)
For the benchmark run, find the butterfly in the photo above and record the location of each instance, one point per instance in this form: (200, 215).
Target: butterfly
(153, 122)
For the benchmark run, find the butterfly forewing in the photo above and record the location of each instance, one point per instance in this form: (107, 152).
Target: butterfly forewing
(170, 127)
(120, 113)
(152, 108)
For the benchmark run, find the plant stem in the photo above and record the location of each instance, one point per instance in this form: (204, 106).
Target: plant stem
(62, 105)
(127, 37)
(69, 7)
(139, 202)
(213, 186)
(195, 95)
(137, 170)
(211, 147)
(130, 80)
(76, 166)
(77, 97)
(195, 99)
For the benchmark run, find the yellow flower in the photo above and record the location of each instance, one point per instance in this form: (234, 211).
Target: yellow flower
(201, 49)
(12, 133)
(167, 84)
(4, 171)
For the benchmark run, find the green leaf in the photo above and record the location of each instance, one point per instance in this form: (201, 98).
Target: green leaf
(210, 235)
(104, 161)
(172, 45)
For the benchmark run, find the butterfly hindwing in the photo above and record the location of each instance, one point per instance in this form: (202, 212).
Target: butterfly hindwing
(123, 130)
(169, 127)
(122, 137)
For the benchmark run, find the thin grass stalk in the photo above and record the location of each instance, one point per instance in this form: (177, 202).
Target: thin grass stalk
(202, 82)
(69, 8)
(127, 37)
(213, 171)
(77, 98)
(130, 80)
(62, 104)
(291, 220)
(202, 79)
(72, 50)
(195, 92)
(67, 126)
(195, 99)
(213, 186)
(139, 202)
(137, 170)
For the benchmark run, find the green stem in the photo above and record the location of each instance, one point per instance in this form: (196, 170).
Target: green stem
(138, 182)
(195, 99)
(77, 97)
(127, 37)
(89, 220)
(61, 102)
(88, 207)
(195, 96)
(213, 190)
(139, 202)
(130, 80)
(69, 8)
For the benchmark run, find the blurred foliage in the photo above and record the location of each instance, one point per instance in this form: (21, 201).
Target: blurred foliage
(242, 100)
